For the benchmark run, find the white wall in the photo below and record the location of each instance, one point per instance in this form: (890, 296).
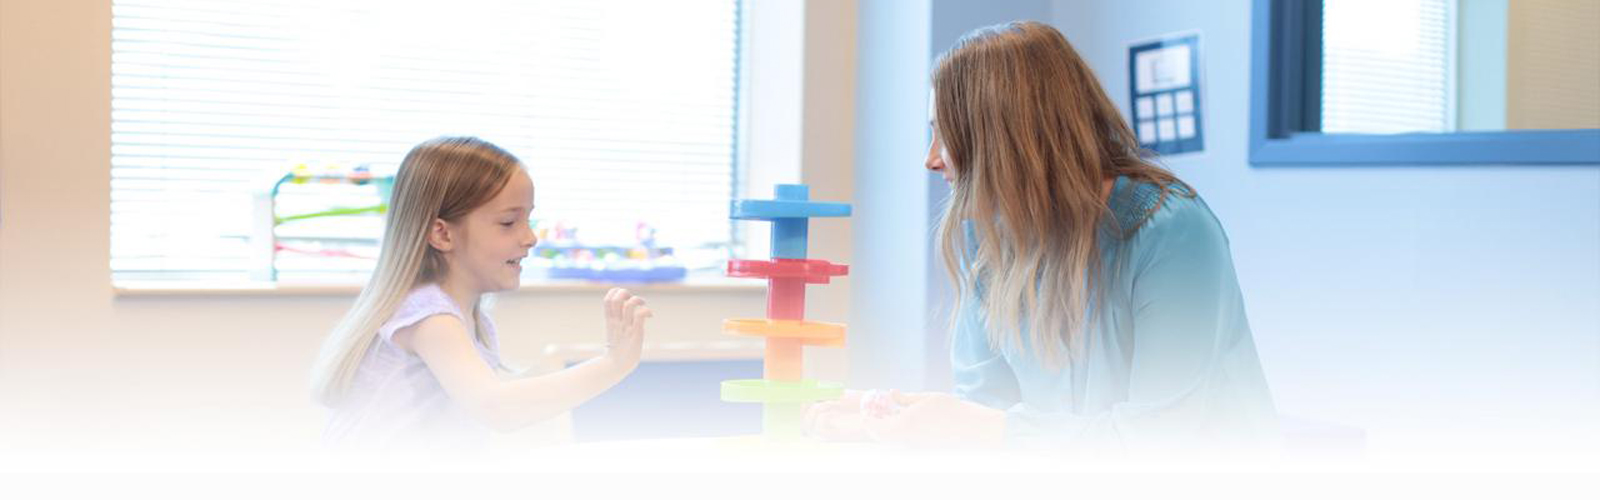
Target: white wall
(1440, 308)
(890, 323)
(84, 368)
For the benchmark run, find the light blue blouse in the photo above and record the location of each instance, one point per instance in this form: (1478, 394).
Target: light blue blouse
(1168, 363)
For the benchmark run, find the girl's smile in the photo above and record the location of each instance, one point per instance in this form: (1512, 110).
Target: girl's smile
(494, 238)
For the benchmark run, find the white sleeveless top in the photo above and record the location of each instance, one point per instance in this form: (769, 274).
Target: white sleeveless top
(394, 401)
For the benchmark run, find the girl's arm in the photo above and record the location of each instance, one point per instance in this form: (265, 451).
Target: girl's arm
(445, 346)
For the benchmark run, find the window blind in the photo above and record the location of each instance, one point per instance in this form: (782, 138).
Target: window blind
(623, 110)
(1388, 66)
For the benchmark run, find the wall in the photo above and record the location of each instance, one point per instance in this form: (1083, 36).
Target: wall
(1552, 66)
(889, 326)
(1481, 65)
(1441, 309)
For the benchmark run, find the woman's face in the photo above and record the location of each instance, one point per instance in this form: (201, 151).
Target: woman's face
(938, 160)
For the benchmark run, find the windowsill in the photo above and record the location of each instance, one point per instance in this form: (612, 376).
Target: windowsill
(247, 288)
(665, 352)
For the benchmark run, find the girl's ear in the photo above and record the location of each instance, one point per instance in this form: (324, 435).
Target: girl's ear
(440, 237)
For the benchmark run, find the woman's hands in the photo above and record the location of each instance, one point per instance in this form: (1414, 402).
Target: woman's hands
(922, 419)
(938, 419)
(625, 318)
(837, 420)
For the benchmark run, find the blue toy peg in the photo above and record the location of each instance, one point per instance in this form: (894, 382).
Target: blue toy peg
(790, 214)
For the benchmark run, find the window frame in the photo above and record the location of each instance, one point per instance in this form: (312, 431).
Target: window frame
(1285, 91)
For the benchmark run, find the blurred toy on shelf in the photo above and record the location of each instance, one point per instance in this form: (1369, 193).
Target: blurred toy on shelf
(318, 222)
(561, 255)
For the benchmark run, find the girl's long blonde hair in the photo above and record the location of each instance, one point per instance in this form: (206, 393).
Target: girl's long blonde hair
(443, 178)
(1031, 137)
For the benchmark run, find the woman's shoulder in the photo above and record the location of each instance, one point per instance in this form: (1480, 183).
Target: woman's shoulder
(1149, 212)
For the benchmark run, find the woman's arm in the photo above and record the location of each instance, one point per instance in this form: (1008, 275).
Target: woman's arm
(1187, 317)
(445, 346)
(1188, 328)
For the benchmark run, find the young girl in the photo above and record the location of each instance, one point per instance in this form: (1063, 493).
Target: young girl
(414, 363)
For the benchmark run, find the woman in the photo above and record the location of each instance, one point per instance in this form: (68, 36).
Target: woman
(1097, 302)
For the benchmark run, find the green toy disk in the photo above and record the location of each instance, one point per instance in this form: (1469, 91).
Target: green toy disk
(774, 391)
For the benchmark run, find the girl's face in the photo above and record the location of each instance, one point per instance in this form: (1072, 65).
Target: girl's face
(491, 240)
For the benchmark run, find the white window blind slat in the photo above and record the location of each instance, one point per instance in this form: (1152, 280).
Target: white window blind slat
(624, 112)
(1387, 66)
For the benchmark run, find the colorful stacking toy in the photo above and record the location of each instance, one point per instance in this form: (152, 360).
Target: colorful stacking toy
(783, 390)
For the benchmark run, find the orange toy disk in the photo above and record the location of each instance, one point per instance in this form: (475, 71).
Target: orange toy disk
(812, 333)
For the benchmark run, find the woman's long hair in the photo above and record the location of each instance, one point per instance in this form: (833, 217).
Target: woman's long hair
(442, 179)
(1031, 137)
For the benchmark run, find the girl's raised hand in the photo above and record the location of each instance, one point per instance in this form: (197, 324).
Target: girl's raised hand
(625, 318)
